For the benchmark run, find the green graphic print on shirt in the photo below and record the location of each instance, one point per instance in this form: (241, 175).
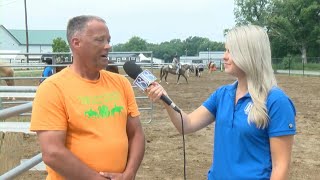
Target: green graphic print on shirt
(103, 111)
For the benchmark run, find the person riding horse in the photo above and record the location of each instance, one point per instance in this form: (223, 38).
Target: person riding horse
(166, 69)
(176, 64)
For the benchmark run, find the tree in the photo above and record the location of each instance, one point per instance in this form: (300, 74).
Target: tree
(291, 24)
(166, 50)
(252, 12)
(194, 43)
(297, 21)
(135, 44)
(60, 45)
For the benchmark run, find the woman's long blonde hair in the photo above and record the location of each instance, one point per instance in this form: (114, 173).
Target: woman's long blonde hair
(249, 47)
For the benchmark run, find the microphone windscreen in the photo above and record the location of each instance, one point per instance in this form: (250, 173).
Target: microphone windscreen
(132, 69)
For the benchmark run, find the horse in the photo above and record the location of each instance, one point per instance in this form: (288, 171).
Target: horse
(212, 67)
(6, 71)
(165, 70)
(191, 69)
(113, 68)
(199, 69)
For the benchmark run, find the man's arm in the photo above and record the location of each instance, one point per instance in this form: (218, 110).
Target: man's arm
(60, 159)
(136, 146)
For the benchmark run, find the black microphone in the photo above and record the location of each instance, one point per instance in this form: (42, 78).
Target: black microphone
(143, 79)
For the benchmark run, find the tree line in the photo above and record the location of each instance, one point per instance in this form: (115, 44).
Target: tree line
(293, 27)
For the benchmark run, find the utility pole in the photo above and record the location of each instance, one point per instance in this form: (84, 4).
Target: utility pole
(26, 22)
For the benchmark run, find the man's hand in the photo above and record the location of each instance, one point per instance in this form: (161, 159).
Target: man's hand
(116, 176)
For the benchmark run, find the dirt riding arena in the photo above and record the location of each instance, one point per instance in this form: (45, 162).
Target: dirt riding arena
(164, 153)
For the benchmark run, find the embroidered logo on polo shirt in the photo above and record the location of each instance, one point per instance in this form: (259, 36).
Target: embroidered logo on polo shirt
(248, 108)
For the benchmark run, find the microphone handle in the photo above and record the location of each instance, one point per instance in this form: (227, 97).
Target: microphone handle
(170, 103)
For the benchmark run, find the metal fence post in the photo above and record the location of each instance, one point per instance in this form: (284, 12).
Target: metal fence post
(22, 167)
(302, 68)
(289, 65)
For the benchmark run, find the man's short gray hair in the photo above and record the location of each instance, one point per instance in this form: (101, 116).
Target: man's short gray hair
(78, 24)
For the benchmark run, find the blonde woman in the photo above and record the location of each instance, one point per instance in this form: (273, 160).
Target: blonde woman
(254, 119)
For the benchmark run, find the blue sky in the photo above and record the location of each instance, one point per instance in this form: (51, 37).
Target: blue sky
(153, 20)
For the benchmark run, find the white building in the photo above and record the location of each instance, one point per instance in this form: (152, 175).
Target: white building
(9, 55)
(215, 56)
(204, 58)
(142, 58)
(40, 41)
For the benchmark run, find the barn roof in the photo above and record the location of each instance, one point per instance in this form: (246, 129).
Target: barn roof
(37, 37)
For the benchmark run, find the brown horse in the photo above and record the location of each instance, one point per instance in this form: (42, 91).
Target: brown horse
(112, 67)
(165, 70)
(6, 71)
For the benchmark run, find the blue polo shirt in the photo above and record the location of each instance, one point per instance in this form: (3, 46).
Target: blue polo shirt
(241, 150)
(48, 71)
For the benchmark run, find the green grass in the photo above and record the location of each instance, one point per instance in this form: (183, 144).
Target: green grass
(309, 66)
(29, 73)
(299, 66)
(16, 118)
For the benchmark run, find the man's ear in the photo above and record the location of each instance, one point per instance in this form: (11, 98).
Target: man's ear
(75, 42)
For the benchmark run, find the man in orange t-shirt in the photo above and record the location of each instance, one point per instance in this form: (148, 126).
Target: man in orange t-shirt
(86, 118)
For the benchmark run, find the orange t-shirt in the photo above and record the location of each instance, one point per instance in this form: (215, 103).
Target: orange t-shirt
(94, 114)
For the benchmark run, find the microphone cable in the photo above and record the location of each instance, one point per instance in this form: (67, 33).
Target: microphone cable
(184, 146)
(183, 141)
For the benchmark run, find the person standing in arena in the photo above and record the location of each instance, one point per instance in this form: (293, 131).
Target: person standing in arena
(86, 119)
(254, 119)
(48, 70)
